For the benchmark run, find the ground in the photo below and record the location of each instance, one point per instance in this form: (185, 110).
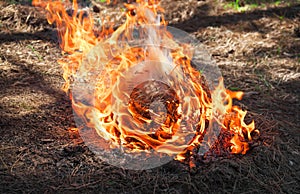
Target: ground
(257, 51)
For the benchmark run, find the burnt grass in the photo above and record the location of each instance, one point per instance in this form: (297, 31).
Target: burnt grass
(257, 51)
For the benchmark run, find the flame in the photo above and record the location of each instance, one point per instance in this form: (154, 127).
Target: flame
(85, 48)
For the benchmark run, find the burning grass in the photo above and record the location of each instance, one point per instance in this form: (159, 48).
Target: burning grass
(106, 57)
(38, 155)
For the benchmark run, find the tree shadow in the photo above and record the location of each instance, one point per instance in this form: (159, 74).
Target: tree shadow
(47, 34)
(34, 79)
(203, 21)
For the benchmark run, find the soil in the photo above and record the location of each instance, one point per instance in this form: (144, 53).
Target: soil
(257, 51)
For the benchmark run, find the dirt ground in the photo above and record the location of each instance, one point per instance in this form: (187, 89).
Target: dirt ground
(257, 51)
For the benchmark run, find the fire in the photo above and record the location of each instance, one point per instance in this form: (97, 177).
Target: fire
(140, 117)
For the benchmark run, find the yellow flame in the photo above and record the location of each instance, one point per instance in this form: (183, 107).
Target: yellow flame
(79, 43)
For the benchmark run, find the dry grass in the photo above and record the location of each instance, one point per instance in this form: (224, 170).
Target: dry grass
(257, 52)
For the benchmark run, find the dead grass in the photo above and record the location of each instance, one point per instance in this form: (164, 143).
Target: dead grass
(257, 52)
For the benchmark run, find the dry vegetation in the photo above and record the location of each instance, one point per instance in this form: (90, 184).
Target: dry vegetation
(258, 51)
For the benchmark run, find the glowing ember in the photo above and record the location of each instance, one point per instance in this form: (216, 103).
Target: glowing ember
(138, 88)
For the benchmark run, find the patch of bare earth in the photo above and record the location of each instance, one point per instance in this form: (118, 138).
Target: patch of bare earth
(257, 52)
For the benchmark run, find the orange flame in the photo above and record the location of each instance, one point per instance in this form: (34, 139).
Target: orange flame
(82, 43)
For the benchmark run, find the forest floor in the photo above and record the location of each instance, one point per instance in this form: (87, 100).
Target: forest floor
(257, 51)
